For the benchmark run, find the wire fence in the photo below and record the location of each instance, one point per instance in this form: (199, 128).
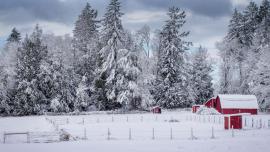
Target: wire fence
(142, 127)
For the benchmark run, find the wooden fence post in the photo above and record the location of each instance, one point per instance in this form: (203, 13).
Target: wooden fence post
(84, 132)
(28, 137)
(109, 133)
(213, 135)
(129, 134)
(191, 134)
(4, 140)
(171, 134)
(153, 134)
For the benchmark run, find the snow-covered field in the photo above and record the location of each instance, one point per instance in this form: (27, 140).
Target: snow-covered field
(169, 131)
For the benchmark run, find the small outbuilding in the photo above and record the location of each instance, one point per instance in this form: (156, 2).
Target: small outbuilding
(234, 121)
(234, 104)
(195, 108)
(156, 109)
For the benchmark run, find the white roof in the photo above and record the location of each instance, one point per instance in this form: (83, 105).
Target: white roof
(238, 101)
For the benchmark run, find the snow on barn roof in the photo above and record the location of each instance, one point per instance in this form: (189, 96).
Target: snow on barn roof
(238, 101)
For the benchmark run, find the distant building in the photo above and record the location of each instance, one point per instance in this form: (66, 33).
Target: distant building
(195, 108)
(156, 109)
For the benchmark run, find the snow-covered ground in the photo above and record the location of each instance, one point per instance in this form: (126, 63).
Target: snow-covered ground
(169, 131)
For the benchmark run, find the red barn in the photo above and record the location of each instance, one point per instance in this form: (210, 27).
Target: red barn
(233, 104)
(156, 109)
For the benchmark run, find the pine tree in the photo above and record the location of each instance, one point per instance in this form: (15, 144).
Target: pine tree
(86, 36)
(15, 36)
(250, 22)
(171, 84)
(29, 99)
(235, 26)
(200, 76)
(113, 39)
(85, 43)
(263, 28)
(264, 10)
(4, 107)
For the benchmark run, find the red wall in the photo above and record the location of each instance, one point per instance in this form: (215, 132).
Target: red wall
(210, 103)
(195, 108)
(234, 111)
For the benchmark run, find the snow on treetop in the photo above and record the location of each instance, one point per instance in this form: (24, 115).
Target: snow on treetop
(238, 101)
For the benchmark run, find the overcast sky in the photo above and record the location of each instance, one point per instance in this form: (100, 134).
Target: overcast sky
(207, 20)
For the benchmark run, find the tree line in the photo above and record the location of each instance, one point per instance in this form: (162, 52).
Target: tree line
(103, 66)
(245, 53)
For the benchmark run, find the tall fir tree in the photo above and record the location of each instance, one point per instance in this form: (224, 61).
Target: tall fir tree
(263, 10)
(113, 39)
(250, 22)
(86, 37)
(171, 84)
(85, 43)
(15, 36)
(200, 76)
(29, 99)
(263, 28)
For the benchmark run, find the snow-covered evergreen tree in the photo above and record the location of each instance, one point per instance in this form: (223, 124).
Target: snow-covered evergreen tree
(15, 36)
(171, 83)
(201, 79)
(250, 22)
(29, 99)
(113, 39)
(85, 43)
(4, 107)
(59, 70)
(263, 29)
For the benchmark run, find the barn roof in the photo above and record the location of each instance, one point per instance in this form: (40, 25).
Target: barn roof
(238, 101)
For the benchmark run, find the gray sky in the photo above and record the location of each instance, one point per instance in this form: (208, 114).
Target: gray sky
(207, 20)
